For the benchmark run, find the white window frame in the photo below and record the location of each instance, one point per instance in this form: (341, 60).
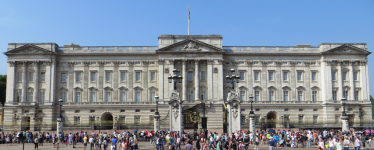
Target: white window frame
(300, 95)
(356, 95)
(122, 96)
(256, 76)
(31, 76)
(152, 95)
(345, 94)
(153, 76)
(299, 75)
(63, 77)
(242, 95)
(93, 76)
(19, 76)
(191, 95)
(42, 76)
(333, 75)
(138, 96)
(63, 96)
(285, 76)
(122, 76)
(286, 93)
(108, 76)
(78, 97)
(190, 75)
(314, 96)
(92, 96)
(108, 96)
(242, 75)
(202, 75)
(42, 97)
(345, 75)
(334, 95)
(257, 96)
(203, 95)
(314, 77)
(138, 76)
(271, 75)
(355, 76)
(271, 95)
(78, 76)
(30, 97)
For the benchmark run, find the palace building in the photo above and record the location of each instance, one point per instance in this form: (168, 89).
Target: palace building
(106, 86)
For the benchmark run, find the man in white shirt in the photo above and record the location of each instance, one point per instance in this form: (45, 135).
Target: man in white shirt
(357, 143)
(251, 139)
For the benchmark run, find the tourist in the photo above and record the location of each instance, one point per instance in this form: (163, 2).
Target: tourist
(357, 143)
(189, 146)
(36, 143)
(272, 143)
(256, 143)
(346, 143)
(92, 142)
(338, 144)
(85, 142)
(114, 141)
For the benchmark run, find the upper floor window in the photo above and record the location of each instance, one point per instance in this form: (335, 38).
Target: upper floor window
(137, 96)
(334, 95)
(63, 77)
(299, 76)
(107, 76)
(202, 75)
(242, 95)
(345, 94)
(333, 76)
(93, 76)
(299, 95)
(190, 76)
(344, 76)
(284, 63)
(123, 76)
(107, 97)
(153, 76)
(78, 76)
(19, 77)
(299, 63)
(271, 76)
(257, 95)
(285, 95)
(152, 96)
(314, 74)
(31, 76)
(314, 95)
(356, 95)
(190, 95)
(203, 95)
(271, 95)
(42, 76)
(63, 96)
(137, 76)
(355, 76)
(77, 96)
(257, 76)
(285, 76)
(241, 76)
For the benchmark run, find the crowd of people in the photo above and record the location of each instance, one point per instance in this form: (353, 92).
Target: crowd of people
(161, 140)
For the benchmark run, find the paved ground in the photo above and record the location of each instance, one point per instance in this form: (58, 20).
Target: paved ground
(142, 145)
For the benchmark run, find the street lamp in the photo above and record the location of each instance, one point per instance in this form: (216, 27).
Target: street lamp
(343, 102)
(233, 78)
(251, 100)
(59, 122)
(98, 124)
(156, 117)
(175, 78)
(156, 112)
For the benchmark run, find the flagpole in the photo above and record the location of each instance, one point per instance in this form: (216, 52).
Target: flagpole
(188, 19)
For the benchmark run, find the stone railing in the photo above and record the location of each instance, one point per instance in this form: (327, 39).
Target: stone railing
(268, 48)
(108, 103)
(282, 102)
(109, 48)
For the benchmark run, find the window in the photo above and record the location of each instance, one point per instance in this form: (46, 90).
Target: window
(314, 95)
(137, 96)
(299, 95)
(153, 76)
(63, 77)
(256, 77)
(257, 109)
(137, 110)
(93, 63)
(315, 118)
(241, 76)
(337, 118)
(298, 63)
(190, 76)
(42, 97)
(122, 119)
(313, 63)
(77, 96)
(203, 95)
(123, 76)
(271, 95)
(123, 96)
(257, 95)
(334, 95)
(107, 97)
(152, 96)
(31, 76)
(345, 94)
(242, 95)
(137, 63)
(356, 95)
(270, 63)
(301, 110)
(344, 76)
(285, 95)
(77, 120)
(202, 75)
(349, 109)
(78, 63)
(63, 96)
(93, 76)
(137, 76)
(271, 78)
(299, 76)
(108, 63)
(190, 96)
(151, 119)
(31, 95)
(285, 78)
(284, 63)
(77, 76)
(42, 76)
(315, 109)
(19, 94)
(336, 109)
(286, 109)
(301, 119)
(333, 63)
(137, 119)
(93, 97)
(19, 77)
(314, 76)
(333, 76)
(256, 63)
(107, 76)
(122, 110)
(355, 77)
(92, 111)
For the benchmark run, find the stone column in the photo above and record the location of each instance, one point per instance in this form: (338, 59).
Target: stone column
(70, 81)
(210, 79)
(339, 75)
(293, 80)
(278, 80)
(131, 82)
(364, 80)
(197, 79)
(24, 81)
(250, 78)
(252, 124)
(326, 81)
(351, 81)
(53, 83)
(184, 75)
(161, 78)
(12, 77)
(345, 126)
(60, 126)
(145, 82)
(156, 123)
(101, 81)
(264, 80)
(86, 72)
(36, 83)
(115, 81)
(307, 82)
(220, 79)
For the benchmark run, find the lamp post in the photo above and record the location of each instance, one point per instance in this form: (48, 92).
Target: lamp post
(98, 124)
(175, 78)
(60, 124)
(156, 117)
(344, 116)
(251, 117)
(233, 78)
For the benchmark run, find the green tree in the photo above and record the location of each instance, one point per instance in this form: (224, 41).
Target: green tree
(2, 89)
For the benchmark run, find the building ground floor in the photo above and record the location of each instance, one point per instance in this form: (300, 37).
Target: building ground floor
(140, 115)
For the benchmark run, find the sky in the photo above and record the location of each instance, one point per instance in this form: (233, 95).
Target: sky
(140, 22)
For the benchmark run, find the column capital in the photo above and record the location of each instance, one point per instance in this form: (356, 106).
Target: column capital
(161, 61)
(12, 63)
(220, 61)
(116, 63)
(210, 61)
(86, 63)
(171, 61)
(196, 60)
(145, 63)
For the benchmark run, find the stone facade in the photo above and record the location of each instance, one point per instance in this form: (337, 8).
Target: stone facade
(295, 86)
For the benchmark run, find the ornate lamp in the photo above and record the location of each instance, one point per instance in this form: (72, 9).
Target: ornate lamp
(156, 112)
(251, 100)
(343, 102)
(170, 78)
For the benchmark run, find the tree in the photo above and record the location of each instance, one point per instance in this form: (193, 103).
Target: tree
(2, 89)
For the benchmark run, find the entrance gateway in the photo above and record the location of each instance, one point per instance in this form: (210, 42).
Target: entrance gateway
(271, 119)
(107, 121)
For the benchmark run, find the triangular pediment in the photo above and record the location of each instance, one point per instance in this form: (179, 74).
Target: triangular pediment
(190, 45)
(29, 49)
(347, 49)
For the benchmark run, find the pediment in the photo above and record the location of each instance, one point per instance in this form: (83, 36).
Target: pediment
(347, 49)
(29, 49)
(190, 45)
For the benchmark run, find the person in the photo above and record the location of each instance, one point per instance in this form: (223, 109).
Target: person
(331, 144)
(256, 143)
(272, 143)
(363, 141)
(135, 145)
(123, 145)
(189, 146)
(85, 142)
(112, 147)
(338, 144)
(233, 144)
(346, 143)
(74, 141)
(114, 141)
(357, 143)
(36, 143)
(92, 142)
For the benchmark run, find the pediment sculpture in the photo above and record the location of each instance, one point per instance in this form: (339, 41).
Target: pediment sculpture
(191, 47)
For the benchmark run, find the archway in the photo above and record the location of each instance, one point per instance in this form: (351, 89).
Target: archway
(107, 121)
(271, 119)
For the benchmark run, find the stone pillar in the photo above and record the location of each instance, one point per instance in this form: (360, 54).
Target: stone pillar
(233, 107)
(70, 81)
(345, 126)
(145, 96)
(131, 82)
(210, 79)
(101, 81)
(86, 72)
(115, 81)
(339, 75)
(221, 79)
(36, 83)
(11, 80)
(184, 75)
(351, 81)
(307, 78)
(175, 115)
(156, 123)
(161, 78)
(252, 124)
(278, 79)
(24, 81)
(197, 79)
(364, 81)
(53, 83)
(293, 81)
(48, 79)
(60, 126)
(264, 80)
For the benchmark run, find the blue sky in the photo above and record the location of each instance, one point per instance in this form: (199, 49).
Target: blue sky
(140, 22)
